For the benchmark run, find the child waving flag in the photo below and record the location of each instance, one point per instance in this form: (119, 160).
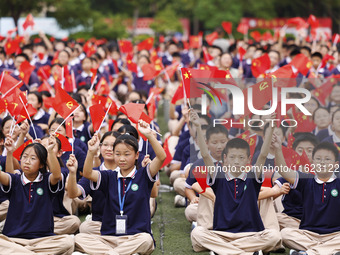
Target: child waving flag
(126, 227)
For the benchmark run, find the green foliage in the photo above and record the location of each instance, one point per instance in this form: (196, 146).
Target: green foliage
(166, 21)
(109, 26)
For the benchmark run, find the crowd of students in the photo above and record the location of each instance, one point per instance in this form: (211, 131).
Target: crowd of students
(112, 175)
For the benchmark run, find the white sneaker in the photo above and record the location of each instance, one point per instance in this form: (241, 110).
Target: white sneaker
(179, 201)
(211, 253)
(193, 225)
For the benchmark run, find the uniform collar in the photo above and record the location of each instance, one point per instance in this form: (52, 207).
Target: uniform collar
(229, 176)
(25, 181)
(80, 128)
(333, 177)
(130, 175)
(336, 139)
(85, 75)
(102, 167)
(39, 114)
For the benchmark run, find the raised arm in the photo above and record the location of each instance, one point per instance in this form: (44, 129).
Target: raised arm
(93, 146)
(10, 147)
(283, 170)
(53, 162)
(157, 162)
(72, 188)
(194, 118)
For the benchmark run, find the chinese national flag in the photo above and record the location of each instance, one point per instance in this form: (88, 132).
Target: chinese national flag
(179, 94)
(102, 87)
(256, 35)
(210, 38)
(207, 67)
(167, 152)
(23, 114)
(152, 107)
(302, 63)
(298, 22)
(242, 28)
(65, 144)
(113, 109)
(304, 161)
(17, 152)
(148, 120)
(147, 44)
(200, 175)
(292, 158)
(304, 123)
(132, 111)
(261, 94)
(195, 41)
(260, 65)
(45, 86)
(241, 52)
(12, 46)
(8, 84)
(28, 22)
(151, 71)
(3, 105)
(227, 26)
(25, 71)
(44, 72)
(125, 46)
(325, 59)
(132, 66)
(251, 139)
(313, 21)
(324, 90)
(267, 36)
(63, 103)
(290, 141)
(96, 99)
(283, 77)
(97, 115)
(69, 127)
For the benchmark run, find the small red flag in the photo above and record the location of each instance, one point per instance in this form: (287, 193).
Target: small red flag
(44, 72)
(69, 127)
(195, 41)
(167, 152)
(28, 22)
(206, 55)
(241, 52)
(292, 158)
(63, 103)
(132, 66)
(325, 60)
(302, 63)
(8, 85)
(125, 46)
(290, 141)
(256, 35)
(322, 92)
(298, 22)
(148, 120)
(132, 111)
(227, 26)
(210, 38)
(147, 44)
(313, 21)
(179, 94)
(65, 144)
(97, 115)
(12, 46)
(242, 28)
(260, 65)
(200, 174)
(25, 71)
(171, 69)
(48, 102)
(283, 77)
(23, 114)
(151, 71)
(13, 102)
(267, 36)
(17, 152)
(3, 105)
(102, 87)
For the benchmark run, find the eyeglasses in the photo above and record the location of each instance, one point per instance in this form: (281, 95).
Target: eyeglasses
(325, 160)
(106, 145)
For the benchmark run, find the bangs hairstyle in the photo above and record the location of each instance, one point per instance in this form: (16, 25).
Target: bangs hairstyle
(329, 147)
(128, 140)
(58, 121)
(109, 133)
(61, 163)
(218, 129)
(128, 129)
(305, 137)
(236, 143)
(41, 152)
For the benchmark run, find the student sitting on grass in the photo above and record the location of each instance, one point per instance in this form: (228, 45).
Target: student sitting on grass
(237, 227)
(319, 231)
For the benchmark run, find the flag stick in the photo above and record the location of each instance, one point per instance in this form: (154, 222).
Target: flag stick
(104, 118)
(2, 77)
(55, 131)
(231, 36)
(185, 94)
(94, 81)
(29, 117)
(189, 103)
(155, 131)
(14, 87)
(73, 82)
(336, 38)
(72, 145)
(11, 129)
(62, 77)
(148, 100)
(42, 70)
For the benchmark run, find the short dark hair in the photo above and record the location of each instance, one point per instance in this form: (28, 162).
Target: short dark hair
(216, 130)
(128, 129)
(304, 137)
(120, 120)
(319, 108)
(336, 111)
(316, 55)
(38, 95)
(41, 152)
(23, 55)
(307, 49)
(329, 147)
(236, 143)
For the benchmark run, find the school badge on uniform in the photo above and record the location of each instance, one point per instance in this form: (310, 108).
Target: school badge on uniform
(334, 192)
(82, 138)
(134, 187)
(40, 191)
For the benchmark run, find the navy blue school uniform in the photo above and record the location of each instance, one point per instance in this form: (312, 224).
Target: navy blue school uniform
(185, 58)
(285, 61)
(140, 84)
(41, 117)
(198, 62)
(236, 62)
(292, 202)
(58, 207)
(321, 203)
(101, 72)
(336, 70)
(80, 144)
(80, 156)
(83, 79)
(3, 166)
(150, 151)
(166, 59)
(182, 143)
(240, 213)
(46, 61)
(83, 132)
(247, 73)
(322, 134)
(40, 133)
(137, 188)
(30, 211)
